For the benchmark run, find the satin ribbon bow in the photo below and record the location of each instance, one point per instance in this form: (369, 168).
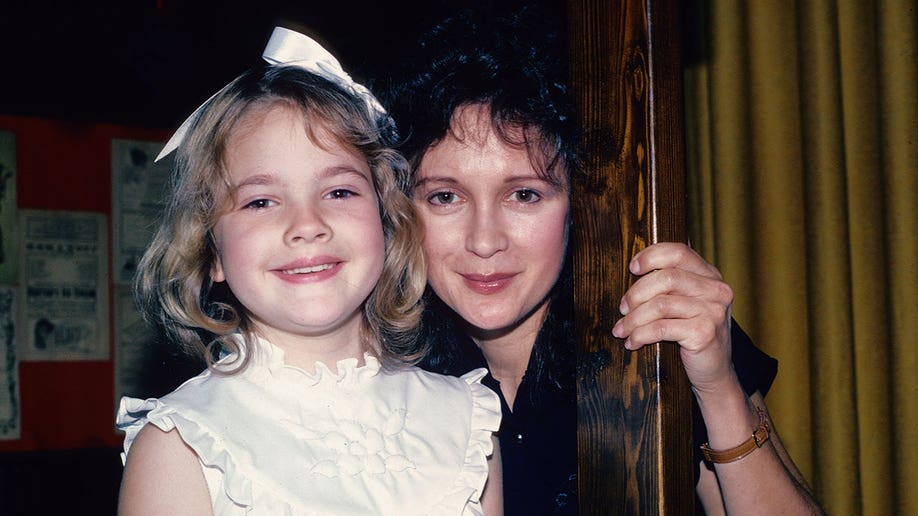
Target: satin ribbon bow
(290, 48)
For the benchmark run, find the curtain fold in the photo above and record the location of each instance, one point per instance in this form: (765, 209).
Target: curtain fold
(898, 53)
(802, 142)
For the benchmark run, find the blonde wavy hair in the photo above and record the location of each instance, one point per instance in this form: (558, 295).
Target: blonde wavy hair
(173, 287)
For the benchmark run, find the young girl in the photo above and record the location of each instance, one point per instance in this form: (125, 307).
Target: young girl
(290, 260)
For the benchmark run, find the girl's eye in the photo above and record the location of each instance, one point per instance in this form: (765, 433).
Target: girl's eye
(525, 196)
(259, 204)
(442, 198)
(340, 193)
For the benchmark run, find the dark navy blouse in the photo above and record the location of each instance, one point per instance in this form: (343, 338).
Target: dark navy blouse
(538, 437)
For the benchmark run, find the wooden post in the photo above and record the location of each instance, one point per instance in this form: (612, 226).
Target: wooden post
(634, 408)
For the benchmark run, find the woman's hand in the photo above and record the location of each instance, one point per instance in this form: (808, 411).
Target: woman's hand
(680, 298)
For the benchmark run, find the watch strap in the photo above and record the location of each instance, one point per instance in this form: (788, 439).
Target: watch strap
(758, 438)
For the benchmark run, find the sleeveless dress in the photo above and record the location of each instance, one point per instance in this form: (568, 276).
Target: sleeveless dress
(277, 440)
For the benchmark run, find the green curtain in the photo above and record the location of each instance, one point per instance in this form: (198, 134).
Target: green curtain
(802, 140)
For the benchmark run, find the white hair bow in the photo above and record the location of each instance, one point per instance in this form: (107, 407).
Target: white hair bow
(290, 48)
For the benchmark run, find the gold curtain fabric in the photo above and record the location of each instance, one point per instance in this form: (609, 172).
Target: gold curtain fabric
(802, 140)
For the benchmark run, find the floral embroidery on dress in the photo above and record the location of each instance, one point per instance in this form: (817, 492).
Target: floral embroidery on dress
(358, 448)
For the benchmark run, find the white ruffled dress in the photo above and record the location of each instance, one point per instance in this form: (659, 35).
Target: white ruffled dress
(277, 440)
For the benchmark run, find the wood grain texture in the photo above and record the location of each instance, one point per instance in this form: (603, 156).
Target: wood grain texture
(634, 408)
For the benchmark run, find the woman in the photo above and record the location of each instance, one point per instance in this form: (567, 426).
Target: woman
(487, 128)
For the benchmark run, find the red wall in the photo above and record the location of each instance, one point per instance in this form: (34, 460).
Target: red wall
(67, 166)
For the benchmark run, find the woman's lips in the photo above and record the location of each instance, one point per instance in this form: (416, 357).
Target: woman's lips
(487, 284)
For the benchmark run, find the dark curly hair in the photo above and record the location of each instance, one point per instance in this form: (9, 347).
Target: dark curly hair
(513, 64)
(510, 63)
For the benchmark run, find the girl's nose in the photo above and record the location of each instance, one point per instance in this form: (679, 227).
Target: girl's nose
(487, 234)
(306, 224)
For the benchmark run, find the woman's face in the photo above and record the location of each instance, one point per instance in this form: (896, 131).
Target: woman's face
(496, 232)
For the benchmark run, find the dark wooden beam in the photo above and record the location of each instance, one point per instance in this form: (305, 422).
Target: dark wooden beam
(634, 408)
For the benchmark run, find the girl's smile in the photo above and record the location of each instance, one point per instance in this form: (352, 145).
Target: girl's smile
(314, 269)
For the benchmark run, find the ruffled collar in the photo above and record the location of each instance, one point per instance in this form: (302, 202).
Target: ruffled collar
(269, 359)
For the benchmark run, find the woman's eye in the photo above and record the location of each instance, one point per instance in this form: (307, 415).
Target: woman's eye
(525, 196)
(340, 193)
(259, 204)
(442, 198)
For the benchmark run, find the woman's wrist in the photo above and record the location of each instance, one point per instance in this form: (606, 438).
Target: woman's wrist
(758, 439)
(728, 414)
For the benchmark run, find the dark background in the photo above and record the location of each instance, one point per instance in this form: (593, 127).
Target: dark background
(149, 63)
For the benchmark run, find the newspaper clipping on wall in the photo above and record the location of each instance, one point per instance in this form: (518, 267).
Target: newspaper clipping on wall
(139, 187)
(147, 364)
(135, 345)
(63, 302)
(8, 268)
(9, 379)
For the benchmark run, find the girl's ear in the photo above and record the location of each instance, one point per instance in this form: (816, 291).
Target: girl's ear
(216, 270)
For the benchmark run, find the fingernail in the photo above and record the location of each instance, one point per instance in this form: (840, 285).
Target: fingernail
(623, 307)
(617, 330)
